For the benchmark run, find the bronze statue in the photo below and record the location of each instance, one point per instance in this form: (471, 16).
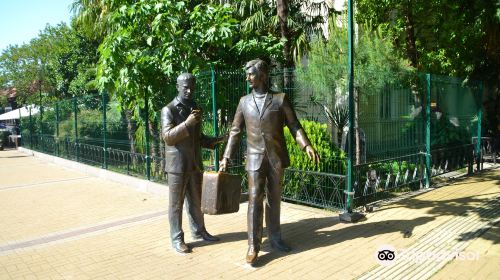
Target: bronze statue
(264, 114)
(181, 131)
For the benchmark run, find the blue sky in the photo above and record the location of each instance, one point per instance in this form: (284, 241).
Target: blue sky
(22, 20)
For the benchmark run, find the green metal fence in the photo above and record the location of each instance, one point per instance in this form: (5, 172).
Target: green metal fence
(408, 134)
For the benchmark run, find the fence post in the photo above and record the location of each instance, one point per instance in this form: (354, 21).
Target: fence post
(31, 131)
(479, 123)
(20, 129)
(428, 131)
(41, 126)
(214, 119)
(104, 131)
(349, 215)
(57, 129)
(76, 127)
(146, 130)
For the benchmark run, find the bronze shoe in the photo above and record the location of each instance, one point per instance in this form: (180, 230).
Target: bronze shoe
(252, 255)
(181, 247)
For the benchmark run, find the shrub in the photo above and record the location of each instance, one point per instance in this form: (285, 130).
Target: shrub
(302, 185)
(331, 156)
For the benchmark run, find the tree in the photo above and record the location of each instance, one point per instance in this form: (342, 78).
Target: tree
(57, 63)
(443, 37)
(455, 38)
(93, 17)
(150, 42)
(154, 40)
(282, 7)
(376, 64)
(284, 25)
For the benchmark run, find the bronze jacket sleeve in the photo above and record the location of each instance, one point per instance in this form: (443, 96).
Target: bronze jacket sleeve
(235, 132)
(208, 142)
(170, 132)
(294, 125)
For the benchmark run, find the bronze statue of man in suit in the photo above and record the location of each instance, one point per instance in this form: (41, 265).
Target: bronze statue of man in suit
(181, 131)
(264, 114)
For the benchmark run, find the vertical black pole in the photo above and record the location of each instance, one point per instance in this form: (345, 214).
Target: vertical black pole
(76, 127)
(214, 119)
(57, 129)
(31, 131)
(428, 132)
(146, 130)
(479, 120)
(104, 132)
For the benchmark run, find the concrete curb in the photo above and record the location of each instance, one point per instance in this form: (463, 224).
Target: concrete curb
(126, 180)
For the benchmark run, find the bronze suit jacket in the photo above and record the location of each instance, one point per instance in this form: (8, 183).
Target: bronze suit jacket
(265, 130)
(182, 143)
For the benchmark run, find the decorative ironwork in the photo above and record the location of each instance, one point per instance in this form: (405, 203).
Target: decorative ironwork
(319, 189)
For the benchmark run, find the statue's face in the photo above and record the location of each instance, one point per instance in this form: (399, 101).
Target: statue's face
(254, 77)
(185, 88)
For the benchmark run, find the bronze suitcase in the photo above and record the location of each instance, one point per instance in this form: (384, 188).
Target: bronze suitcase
(220, 193)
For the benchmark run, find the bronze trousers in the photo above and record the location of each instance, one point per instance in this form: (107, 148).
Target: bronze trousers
(266, 180)
(185, 185)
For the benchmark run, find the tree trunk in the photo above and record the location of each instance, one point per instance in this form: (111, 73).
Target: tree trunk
(411, 48)
(154, 144)
(282, 6)
(131, 129)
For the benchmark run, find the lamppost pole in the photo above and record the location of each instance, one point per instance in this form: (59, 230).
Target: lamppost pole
(349, 215)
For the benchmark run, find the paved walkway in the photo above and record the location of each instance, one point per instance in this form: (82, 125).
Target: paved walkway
(58, 223)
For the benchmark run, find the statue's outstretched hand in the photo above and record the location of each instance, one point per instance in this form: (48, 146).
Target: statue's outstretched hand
(311, 153)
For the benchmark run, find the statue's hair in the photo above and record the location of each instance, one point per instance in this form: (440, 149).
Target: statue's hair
(185, 77)
(259, 64)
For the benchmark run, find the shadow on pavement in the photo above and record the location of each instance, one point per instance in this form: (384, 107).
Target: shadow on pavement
(312, 236)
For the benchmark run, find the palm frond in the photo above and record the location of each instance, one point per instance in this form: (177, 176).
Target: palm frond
(256, 21)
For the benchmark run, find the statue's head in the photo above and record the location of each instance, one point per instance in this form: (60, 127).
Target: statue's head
(185, 85)
(257, 73)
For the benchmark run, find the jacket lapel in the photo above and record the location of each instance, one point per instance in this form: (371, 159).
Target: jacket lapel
(269, 101)
(250, 103)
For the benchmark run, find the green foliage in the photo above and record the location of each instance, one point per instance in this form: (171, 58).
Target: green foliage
(260, 30)
(444, 134)
(90, 125)
(333, 160)
(3, 100)
(153, 41)
(150, 42)
(331, 156)
(57, 63)
(458, 38)
(376, 63)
